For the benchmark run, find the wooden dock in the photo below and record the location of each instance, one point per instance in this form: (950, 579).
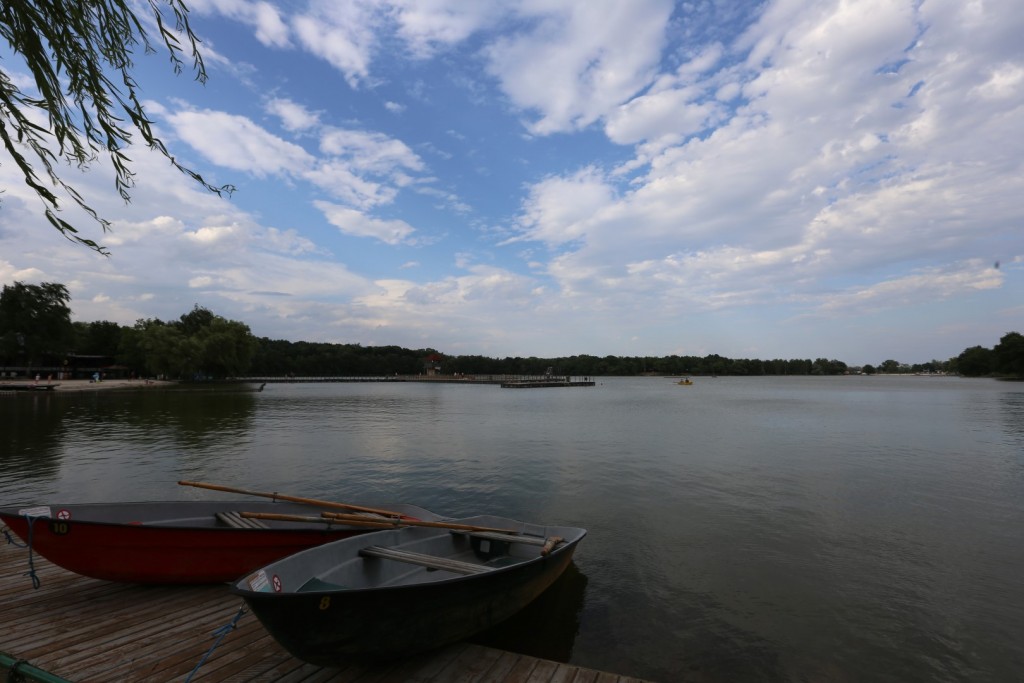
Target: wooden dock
(545, 384)
(505, 381)
(86, 630)
(28, 386)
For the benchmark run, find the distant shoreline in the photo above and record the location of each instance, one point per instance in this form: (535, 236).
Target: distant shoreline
(66, 385)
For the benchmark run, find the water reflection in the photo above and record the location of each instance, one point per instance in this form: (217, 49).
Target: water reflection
(1012, 404)
(205, 419)
(31, 434)
(69, 443)
(548, 626)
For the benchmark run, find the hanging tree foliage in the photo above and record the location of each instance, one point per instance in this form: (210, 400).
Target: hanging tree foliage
(75, 50)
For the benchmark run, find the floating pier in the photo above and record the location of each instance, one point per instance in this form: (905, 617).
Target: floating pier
(505, 381)
(73, 628)
(546, 383)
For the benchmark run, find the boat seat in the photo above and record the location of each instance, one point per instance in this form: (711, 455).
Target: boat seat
(428, 561)
(508, 538)
(547, 544)
(235, 520)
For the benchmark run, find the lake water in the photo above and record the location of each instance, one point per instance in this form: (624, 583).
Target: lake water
(740, 529)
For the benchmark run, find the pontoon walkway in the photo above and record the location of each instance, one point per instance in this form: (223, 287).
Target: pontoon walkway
(85, 630)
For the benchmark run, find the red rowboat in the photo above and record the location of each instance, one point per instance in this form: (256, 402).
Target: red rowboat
(174, 542)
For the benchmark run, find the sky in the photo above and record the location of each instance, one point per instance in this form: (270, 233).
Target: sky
(838, 179)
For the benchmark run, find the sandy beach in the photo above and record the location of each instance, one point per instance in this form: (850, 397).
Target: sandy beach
(85, 384)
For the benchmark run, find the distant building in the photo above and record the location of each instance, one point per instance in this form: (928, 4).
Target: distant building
(78, 366)
(69, 366)
(432, 364)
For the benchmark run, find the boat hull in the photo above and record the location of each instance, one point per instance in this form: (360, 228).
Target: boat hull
(169, 543)
(332, 627)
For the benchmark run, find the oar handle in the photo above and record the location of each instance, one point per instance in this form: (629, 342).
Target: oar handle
(293, 499)
(550, 544)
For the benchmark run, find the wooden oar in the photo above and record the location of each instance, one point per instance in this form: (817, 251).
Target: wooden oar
(341, 517)
(293, 499)
(364, 521)
(359, 520)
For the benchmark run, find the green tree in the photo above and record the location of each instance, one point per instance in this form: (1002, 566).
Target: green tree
(74, 51)
(102, 338)
(167, 350)
(1009, 354)
(837, 367)
(226, 348)
(35, 320)
(195, 320)
(130, 351)
(889, 367)
(200, 343)
(800, 366)
(976, 361)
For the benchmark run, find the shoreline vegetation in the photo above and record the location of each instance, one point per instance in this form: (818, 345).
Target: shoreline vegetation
(82, 385)
(38, 339)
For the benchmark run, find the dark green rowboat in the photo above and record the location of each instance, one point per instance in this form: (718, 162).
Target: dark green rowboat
(395, 593)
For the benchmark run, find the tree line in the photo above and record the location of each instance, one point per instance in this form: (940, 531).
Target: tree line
(36, 330)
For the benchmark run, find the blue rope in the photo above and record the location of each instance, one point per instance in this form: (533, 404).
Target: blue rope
(10, 540)
(31, 565)
(6, 531)
(219, 633)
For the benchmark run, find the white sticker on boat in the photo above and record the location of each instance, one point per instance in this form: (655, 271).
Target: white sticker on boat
(40, 511)
(63, 514)
(258, 582)
(277, 584)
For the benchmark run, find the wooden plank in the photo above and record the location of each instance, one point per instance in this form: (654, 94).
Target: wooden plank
(470, 665)
(235, 519)
(429, 561)
(523, 670)
(499, 671)
(509, 538)
(424, 668)
(92, 631)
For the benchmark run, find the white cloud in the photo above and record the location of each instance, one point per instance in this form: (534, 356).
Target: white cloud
(354, 223)
(236, 142)
(571, 64)
(369, 152)
(339, 180)
(676, 106)
(294, 116)
(341, 33)
(829, 174)
(348, 156)
(924, 286)
(559, 210)
(270, 29)
(1006, 81)
(437, 24)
